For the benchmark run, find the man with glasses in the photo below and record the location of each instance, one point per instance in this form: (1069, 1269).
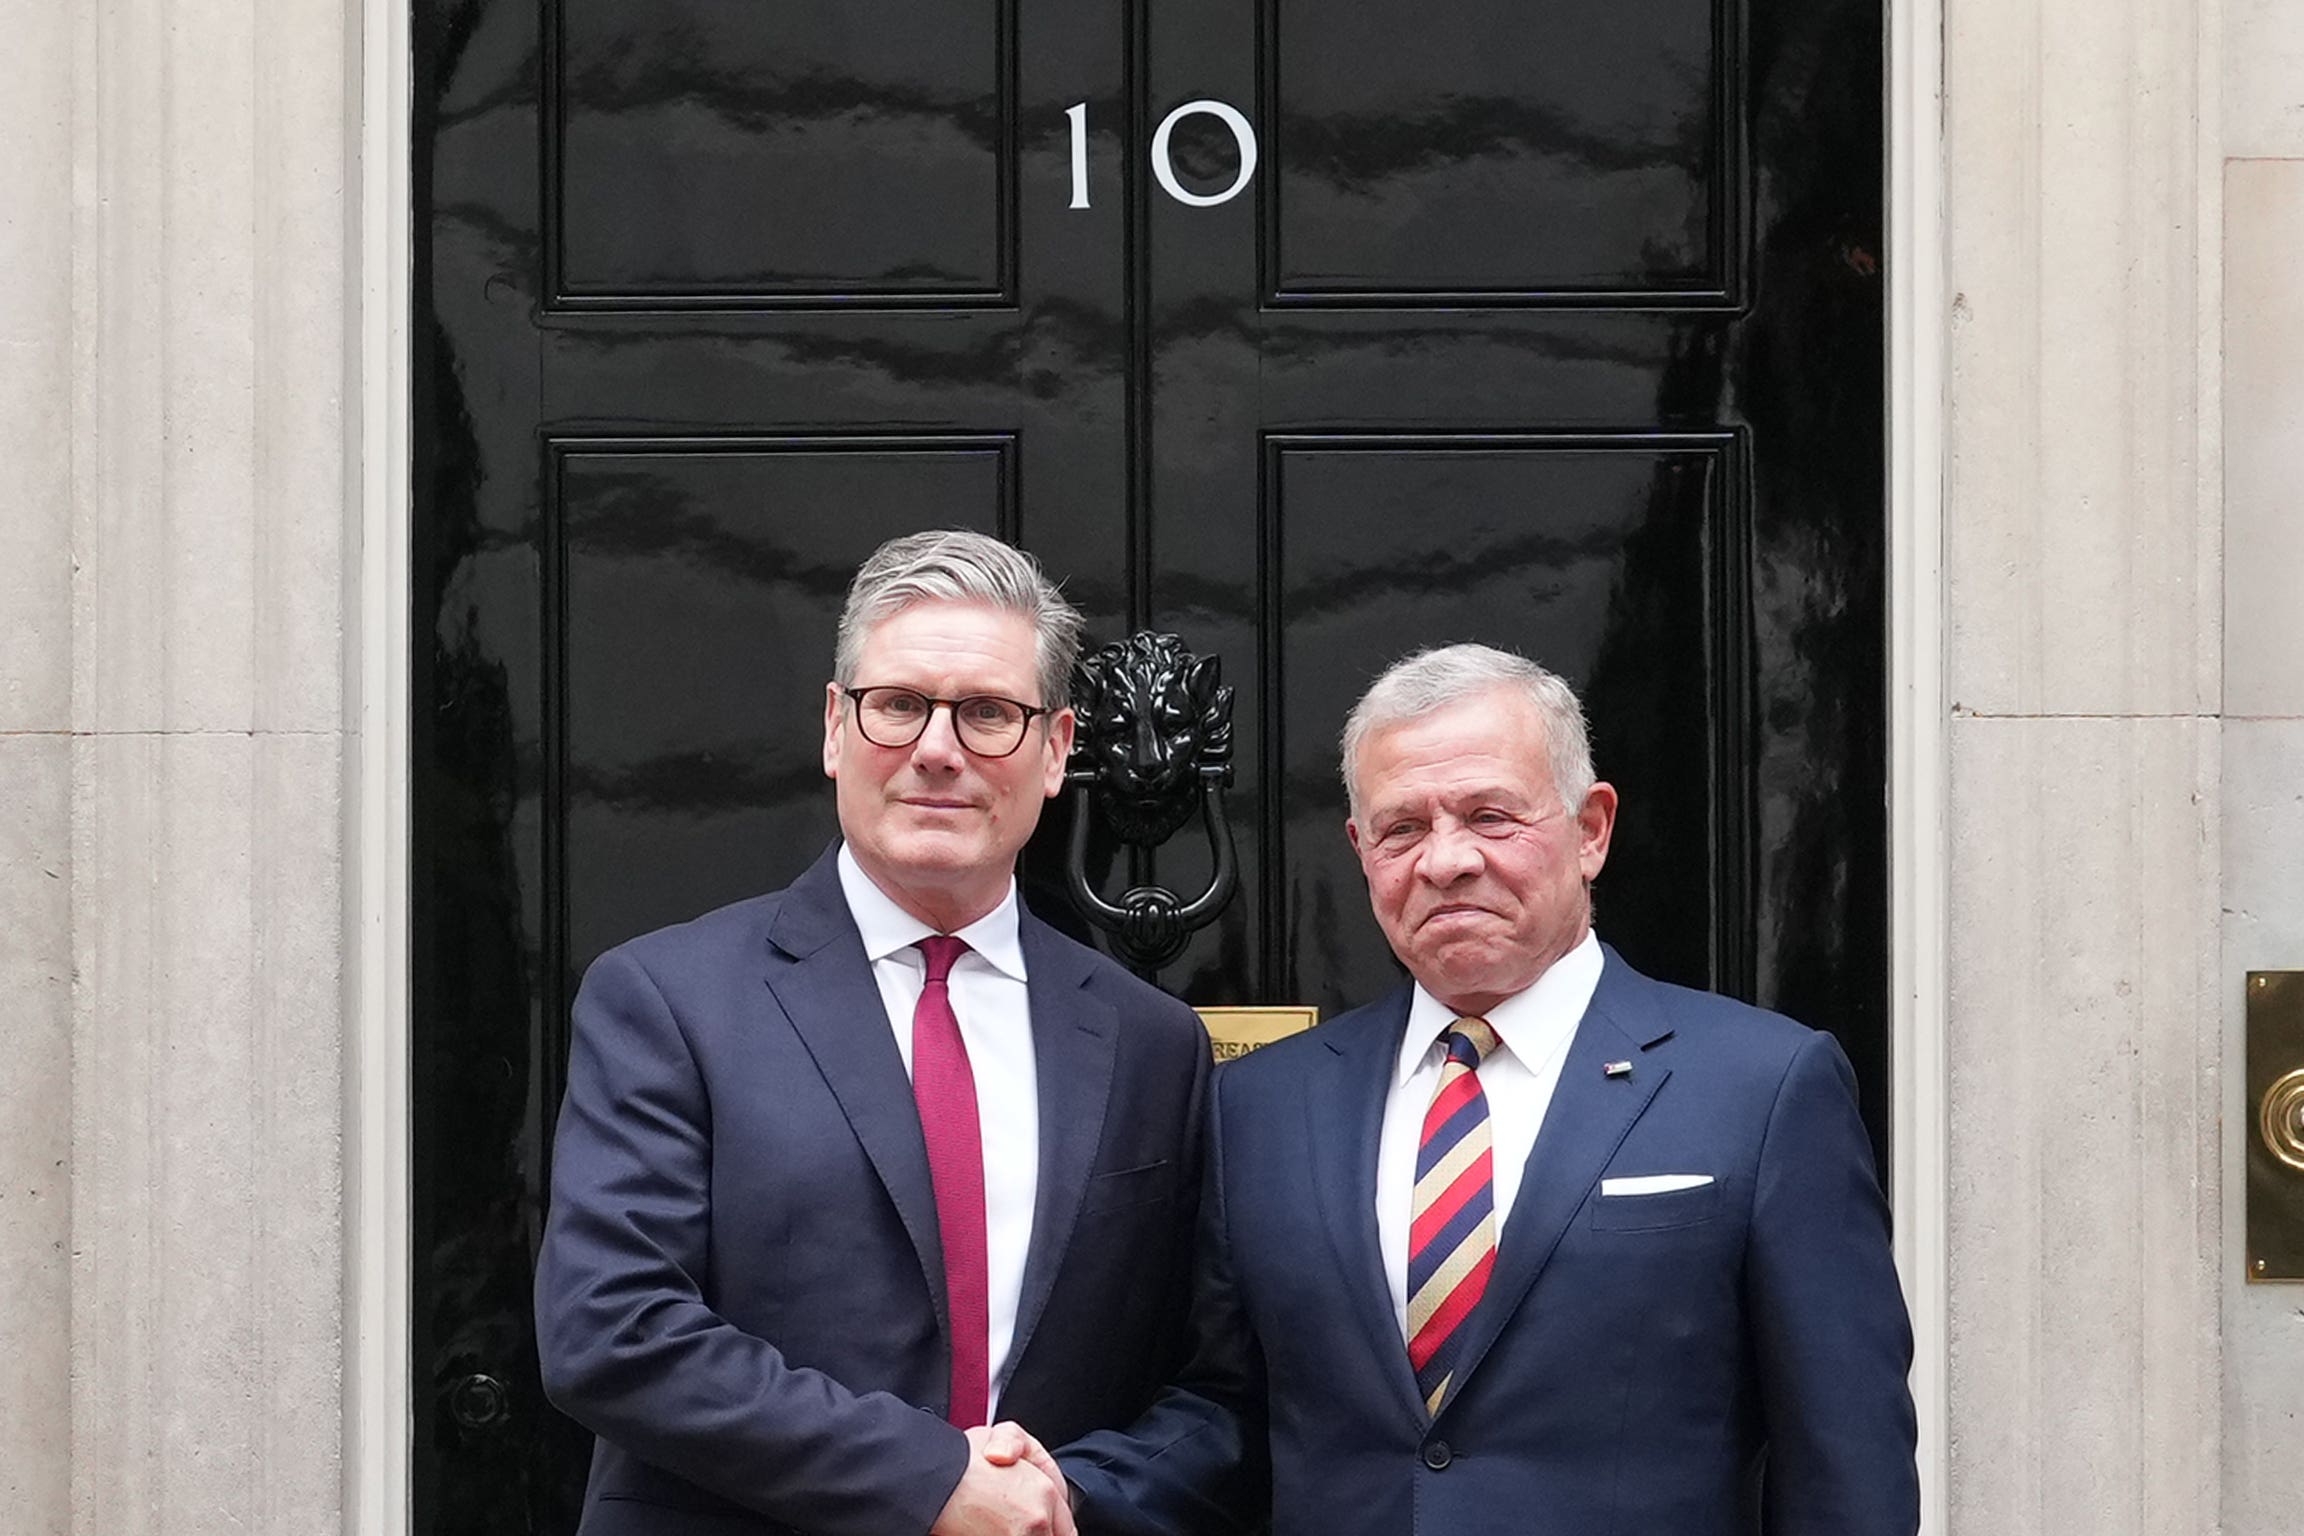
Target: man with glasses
(847, 1170)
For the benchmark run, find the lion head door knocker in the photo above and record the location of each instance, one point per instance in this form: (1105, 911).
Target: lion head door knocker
(1154, 744)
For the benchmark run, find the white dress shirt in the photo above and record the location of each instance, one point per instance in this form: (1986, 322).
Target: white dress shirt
(1517, 1079)
(993, 1008)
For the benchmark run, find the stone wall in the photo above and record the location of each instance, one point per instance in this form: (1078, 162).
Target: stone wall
(2082, 674)
(2124, 337)
(174, 238)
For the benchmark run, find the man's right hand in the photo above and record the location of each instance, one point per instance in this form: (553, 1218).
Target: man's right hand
(1008, 1442)
(1016, 1494)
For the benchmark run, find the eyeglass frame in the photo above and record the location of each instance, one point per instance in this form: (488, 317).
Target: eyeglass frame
(855, 696)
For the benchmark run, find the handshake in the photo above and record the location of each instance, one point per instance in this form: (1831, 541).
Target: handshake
(1012, 1487)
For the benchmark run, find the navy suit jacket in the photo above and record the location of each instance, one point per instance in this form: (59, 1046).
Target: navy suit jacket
(741, 1291)
(1715, 1361)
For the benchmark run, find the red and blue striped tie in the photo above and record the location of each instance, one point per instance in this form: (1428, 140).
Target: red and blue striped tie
(1452, 1234)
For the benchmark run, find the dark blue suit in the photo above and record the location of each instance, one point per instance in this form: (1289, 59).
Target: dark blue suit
(741, 1291)
(1716, 1361)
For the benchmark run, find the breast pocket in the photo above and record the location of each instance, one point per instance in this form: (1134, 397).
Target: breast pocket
(1126, 1187)
(1655, 1212)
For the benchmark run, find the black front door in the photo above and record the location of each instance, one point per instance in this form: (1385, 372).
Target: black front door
(1309, 331)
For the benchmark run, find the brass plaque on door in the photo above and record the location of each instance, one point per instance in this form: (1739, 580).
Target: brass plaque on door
(1237, 1031)
(2274, 1125)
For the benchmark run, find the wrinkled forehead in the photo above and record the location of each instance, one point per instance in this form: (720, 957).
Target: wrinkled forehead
(1481, 750)
(1424, 794)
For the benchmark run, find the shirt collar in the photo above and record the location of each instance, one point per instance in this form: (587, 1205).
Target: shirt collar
(888, 929)
(1531, 1025)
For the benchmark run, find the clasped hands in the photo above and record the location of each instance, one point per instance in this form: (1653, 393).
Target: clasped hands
(1012, 1487)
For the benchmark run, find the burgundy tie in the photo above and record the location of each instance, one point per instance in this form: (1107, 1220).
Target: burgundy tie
(946, 1091)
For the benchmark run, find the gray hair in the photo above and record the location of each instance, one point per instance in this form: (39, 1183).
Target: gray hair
(1433, 679)
(954, 565)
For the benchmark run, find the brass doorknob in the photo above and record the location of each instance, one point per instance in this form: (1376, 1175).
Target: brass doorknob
(2280, 1119)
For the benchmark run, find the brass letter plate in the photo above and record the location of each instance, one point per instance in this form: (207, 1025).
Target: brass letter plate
(1237, 1031)
(2274, 1125)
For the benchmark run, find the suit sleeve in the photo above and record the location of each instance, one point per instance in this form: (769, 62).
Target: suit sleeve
(1831, 1338)
(1174, 1351)
(1197, 1461)
(628, 1344)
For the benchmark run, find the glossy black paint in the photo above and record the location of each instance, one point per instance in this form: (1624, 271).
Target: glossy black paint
(1567, 153)
(1558, 327)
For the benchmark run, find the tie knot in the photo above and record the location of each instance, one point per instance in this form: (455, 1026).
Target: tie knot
(942, 950)
(1471, 1041)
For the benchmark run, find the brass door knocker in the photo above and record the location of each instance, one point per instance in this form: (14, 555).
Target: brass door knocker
(1154, 743)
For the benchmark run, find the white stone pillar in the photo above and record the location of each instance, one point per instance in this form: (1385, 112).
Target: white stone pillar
(35, 765)
(211, 152)
(2081, 561)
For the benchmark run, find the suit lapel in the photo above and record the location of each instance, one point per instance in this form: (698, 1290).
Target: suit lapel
(1075, 1038)
(821, 978)
(1590, 1114)
(1344, 1105)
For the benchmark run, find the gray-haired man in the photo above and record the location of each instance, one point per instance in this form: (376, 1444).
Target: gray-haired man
(846, 1169)
(1533, 1244)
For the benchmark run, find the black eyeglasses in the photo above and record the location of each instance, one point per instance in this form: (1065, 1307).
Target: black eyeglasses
(987, 724)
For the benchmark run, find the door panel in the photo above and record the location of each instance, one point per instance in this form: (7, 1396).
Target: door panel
(740, 154)
(1500, 154)
(720, 561)
(1555, 327)
(1567, 548)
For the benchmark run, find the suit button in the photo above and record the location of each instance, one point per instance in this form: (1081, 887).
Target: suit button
(1437, 1455)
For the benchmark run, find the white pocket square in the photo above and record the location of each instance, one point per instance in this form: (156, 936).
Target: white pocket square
(1654, 1183)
